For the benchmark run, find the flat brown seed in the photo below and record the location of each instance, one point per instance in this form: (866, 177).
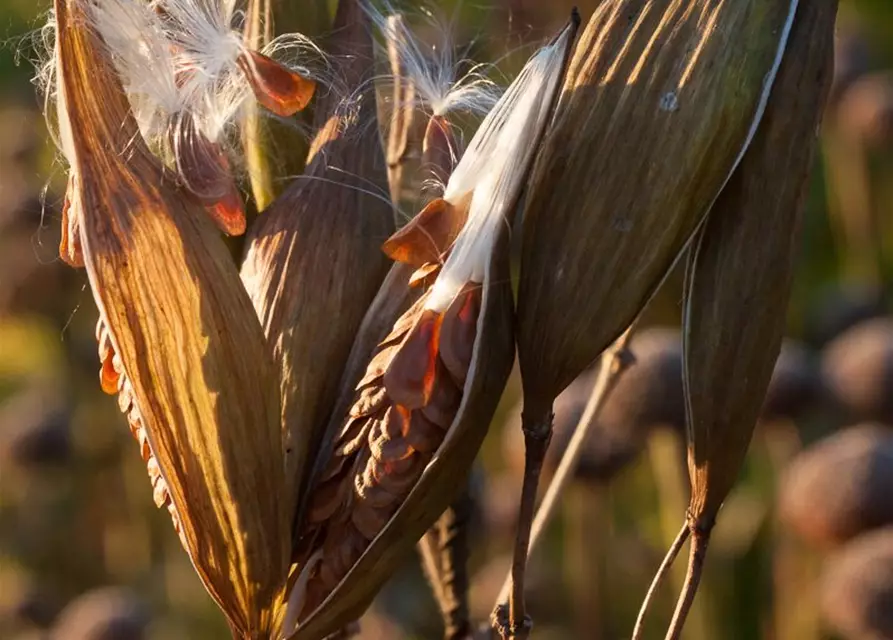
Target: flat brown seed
(201, 163)
(327, 499)
(371, 399)
(375, 495)
(445, 400)
(409, 379)
(378, 365)
(424, 435)
(424, 238)
(386, 450)
(276, 87)
(459, 331)
(228, 213)
(425, 275)
(368, 521)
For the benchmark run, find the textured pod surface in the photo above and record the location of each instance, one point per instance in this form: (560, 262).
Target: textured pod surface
(421, 410)
(739, 273)
(177, 322)
(660, 100)
(313, 264)
(435, 485)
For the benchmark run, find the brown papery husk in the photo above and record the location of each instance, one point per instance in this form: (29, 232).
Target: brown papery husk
(203, 378)
(656, 111)
(441, 481)
(738, 281)
(313, 263)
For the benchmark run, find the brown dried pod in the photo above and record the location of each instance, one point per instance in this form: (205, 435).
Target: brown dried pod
(857, 588)
(313, 263)
(653, 90)
(840, 487)
(423, 407)
(858, 368)
(179, 338)
(738, 283)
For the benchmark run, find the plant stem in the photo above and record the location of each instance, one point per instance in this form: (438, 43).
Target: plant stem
(444, 551)
(659, 577)
(699, 541)
(537, 432)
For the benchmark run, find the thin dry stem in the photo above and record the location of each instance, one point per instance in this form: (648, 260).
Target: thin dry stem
(614, 362)
(659, 577)
(699, 542)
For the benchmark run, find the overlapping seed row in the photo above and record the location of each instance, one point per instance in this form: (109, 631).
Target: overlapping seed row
(113, 379)
(403, 409)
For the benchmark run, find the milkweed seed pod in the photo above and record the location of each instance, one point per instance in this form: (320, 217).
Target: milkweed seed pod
(178, 338)
(660, 102)
(424, 405)
(313, 263)
(840, 487)
(738, 281)
(858, 369)
(857, 587)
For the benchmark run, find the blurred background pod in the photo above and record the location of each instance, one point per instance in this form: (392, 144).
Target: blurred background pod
(857, 587)
(738, 281)
(622, 183)
(313, 263)
(184, 337)
(839, 487)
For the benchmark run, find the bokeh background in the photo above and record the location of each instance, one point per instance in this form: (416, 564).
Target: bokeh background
(804, 545)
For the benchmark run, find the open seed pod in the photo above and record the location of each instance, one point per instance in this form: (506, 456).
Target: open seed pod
(840, 487)
(659, 105)
(857, 587)
(858, 369)
(313, 263)
(179, 340)
(425, 402)
(738, 282)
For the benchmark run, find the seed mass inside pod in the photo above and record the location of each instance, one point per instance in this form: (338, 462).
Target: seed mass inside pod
(407, 411)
